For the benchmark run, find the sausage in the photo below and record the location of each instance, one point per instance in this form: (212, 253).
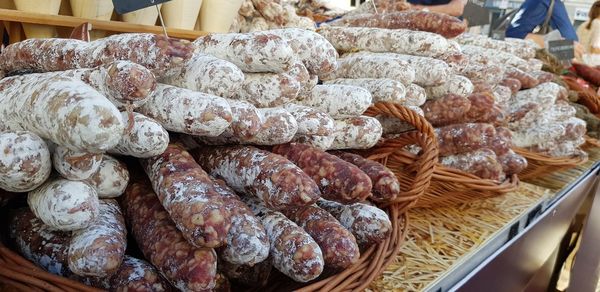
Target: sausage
(312, 122)
(75, 165)
(386, 186)
(111, 178)
(369, 224)
(456, 60)
(481, 87)
(382, 90)
(492, 56)
(535, 64)
(544, 94)
(483, 109)
(162, 55)
(502, 142)
(146, 137)
(64, 205)
(542, 76)
(251, 52)
(269, 89)
(356, 133)
(317, 54)
(524, 52)
(39, 243)
(379, 6)
(271, 10)
(98, 250)
(402, 41)
(319, 142)
(527, 80)
(207, 74)
(52, 117)
(26, 162)
(185, 266)
(338, 100)
(275, 180)
(392, 125)
(461, 138)
(338, 245)
(415, 95)
(186, 111)
(537, 134)
(575, 128)
(512, 163)
(427, 71)
(502, 95)
(133, 275)
(337, 179)
(438, 23)
(588, 73)
(246, 120)
(253, 276)
(458, 85)
(293, 251)
(278, 127)
(560, 148)
(188, 194)
(372, 66)
(247, 241)
(300, 74)
(512, 83)
(446, 110)
(482, 163)
(477, 72)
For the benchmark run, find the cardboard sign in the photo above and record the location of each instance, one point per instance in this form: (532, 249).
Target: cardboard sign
(124, 6)
(562, 49)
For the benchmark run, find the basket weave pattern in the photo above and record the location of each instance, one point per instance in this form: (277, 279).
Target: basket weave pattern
(540, 164)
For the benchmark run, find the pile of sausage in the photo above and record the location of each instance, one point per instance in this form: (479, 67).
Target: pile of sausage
(259, 15)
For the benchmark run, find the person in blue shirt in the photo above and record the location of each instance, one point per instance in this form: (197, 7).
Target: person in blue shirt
(450, 7)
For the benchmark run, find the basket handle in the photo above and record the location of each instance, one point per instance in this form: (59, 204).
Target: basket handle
(424, 136)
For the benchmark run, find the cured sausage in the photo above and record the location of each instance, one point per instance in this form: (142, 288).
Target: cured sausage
(317, 54)
(461, 138)
(26, 162)
(110, 179)
(146, 137)
(75, 165)
(458, 85)
(356, 133)
(382, 90)
(446, 110)
(338, 100)
(482, 163)
(269, 89)
(372, 66)
(311, 121)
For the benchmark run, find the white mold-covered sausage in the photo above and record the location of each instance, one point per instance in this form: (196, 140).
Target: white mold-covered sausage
(269, 89)
(356, 133)
(317, 54)
(320, 142)
(498, 57)
(372, 66)
(311, 121)
(415, 95)
(458, 85)
(144, 138)
(25, 161)
(64, 205)
(338, 100)
(75, 165)
(111, 178)
(382, 90)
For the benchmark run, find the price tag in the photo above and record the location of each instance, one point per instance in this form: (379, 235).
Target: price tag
(124, 6)
(499, 34)
(562, 49)
(581, 14)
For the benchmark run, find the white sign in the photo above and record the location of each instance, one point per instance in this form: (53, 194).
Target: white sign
(581, 14)
(503, 4)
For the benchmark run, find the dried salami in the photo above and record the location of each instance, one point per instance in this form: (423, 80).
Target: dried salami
(512, 83)
(75, 165)
(512, 163)
(319, 142)
(415, 95)
(317, 54)
(111, 178)
(146, 137)
(458, 85)
(446, 110)
(382, 90)
(482, 163)
(477, 72)
(338, 100)
(312, 122)
(337, 179)
(253, 276)
(495, 57)
(188, 194)
(275, 180)
(26, 162)
(461, 138)
(133, 275)
(356, 133)
(269, 89)
(527, 80)
(372, 66)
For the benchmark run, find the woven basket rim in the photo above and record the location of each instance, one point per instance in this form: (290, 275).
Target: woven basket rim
(547, 160)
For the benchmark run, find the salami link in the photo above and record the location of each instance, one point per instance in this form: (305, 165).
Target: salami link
(312, 122)
(111, 178)
(252, 52)
(207, 74)
(338, 100)
(278, 127)
(162, 55)
(317, 54)
(512, 163)
(427, 71)
(382, 90)
(275, 180)
(502, 95)
(512, 83)
(402, 41)
(574, 128)
(246, 120)
(133, 275)
(269, 89)
(542, 76)
(477, 72)
(247, 242)
(539, 134)
(184, 266)
(186, 111)
(64, 205)
(338, 245)
(372, 66)
(75, 165)
(253, 276)
(458, 85)
(438, 23)
(300, 74)
(527, 80)
(496, 57)
(98, 250)
(356, 133)
(461, 138)
(26, 162)
(46, 107)
(489, 43)
(535, 64)
(188, 194)
(319, 142)
(482, 163)
(481, 87)
(483, 109)
(293, 251)
(146, 138)
(338, 180)
(39, 243)
(415, 95)
(369, 224)
(386, 186)
(446, 110)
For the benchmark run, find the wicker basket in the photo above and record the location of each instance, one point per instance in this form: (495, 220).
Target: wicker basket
(540, 164)
(448, 186)
(17, 272)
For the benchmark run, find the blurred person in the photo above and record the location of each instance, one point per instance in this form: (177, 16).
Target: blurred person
(589, 36)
